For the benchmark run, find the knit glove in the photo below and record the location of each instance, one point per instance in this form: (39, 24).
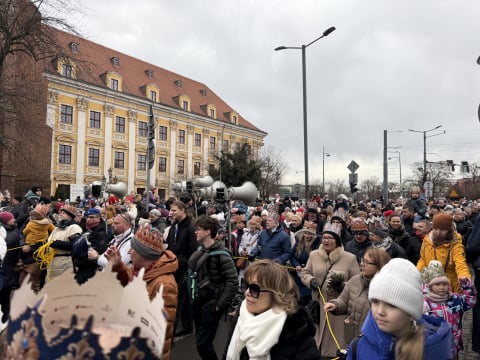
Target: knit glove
(335, 282)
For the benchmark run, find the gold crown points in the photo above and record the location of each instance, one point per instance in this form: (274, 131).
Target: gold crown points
(150, 236)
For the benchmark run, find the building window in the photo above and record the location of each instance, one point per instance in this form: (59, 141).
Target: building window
(211, 168)
(153, 95)
(212, 142)
(198, 140)
(181, 167)
(212, 113)
(142, 162)
(66, 114)
(93, 157)
(237, 146)
(114, 84)
(119, 161)
(162, 133)
(225, 145)
(67, 70)
(196, 168)
(115, 61)
(95, 119)
(181, 136)
(119, 124)
(234, 120)
(142, 129)
(74, 47)
(162, 164)
(65, 154)
(185, 105)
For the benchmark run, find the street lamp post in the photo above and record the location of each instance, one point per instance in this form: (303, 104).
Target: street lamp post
(425, 146)
(400, 169)
(323, 169)
(304, 82)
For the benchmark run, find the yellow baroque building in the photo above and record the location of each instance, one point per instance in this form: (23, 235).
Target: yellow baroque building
(98, 109)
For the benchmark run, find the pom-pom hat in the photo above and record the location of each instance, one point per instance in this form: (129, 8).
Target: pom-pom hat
(5, 217)
(399, 283)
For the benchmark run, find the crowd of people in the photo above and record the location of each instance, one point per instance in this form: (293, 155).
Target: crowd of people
(297, 280)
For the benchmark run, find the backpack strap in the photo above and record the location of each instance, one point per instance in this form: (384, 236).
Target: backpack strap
(354, 346)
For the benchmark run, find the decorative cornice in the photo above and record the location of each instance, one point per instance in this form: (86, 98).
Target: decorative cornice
(66, 138)
(173, 125)
(82, 104)
(190, 129)
(206, 131)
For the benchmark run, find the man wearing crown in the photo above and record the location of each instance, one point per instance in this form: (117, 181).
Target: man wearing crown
(148, 251)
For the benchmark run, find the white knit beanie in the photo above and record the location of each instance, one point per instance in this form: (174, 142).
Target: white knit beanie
(399, 283)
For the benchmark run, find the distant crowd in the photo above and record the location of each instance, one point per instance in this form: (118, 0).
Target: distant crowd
(320, 279)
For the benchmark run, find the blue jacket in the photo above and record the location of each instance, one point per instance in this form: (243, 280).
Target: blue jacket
(273, 245)
(378, 345)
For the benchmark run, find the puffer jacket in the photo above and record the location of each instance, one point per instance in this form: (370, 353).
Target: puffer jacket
(274, 245)
(222, 273)
(378, 345)
(457, 265)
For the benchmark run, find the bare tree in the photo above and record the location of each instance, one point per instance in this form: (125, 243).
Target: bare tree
(274, 168)
(438, 174)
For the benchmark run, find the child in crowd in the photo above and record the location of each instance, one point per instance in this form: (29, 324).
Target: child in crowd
(439, 301)
(395, 327)
(36, 233)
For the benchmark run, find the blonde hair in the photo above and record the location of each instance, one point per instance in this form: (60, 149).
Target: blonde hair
(411, 345)
(303, 244)
(258, 226)
(272, 276)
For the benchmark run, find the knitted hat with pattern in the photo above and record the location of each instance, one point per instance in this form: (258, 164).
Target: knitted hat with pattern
(434, 273)
(358, 224)
(148, 242)
(399, 283)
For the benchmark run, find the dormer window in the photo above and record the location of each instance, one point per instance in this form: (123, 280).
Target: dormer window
(114, 84)
(153, 95)
(149, 73)
(67, 70)
(74, 47)
(234, 120)
(115, 61)
(203, 92)
(185, 105)
(212, 113)
(178, 83)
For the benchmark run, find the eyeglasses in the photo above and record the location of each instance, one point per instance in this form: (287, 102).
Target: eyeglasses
(365, 262)
(358, 233)
(254, 290)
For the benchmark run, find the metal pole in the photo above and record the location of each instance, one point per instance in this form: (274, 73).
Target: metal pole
(385, 169)
(323, 171)
(424, 157)
(305, 132)
(400, 165)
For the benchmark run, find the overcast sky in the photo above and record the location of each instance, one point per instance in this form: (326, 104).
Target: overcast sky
(390, 65)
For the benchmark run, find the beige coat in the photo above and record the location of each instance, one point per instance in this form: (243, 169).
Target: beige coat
(353, 302)
(317, 267)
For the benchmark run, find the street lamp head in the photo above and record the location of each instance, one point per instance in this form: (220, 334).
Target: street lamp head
(280, 48)
(437, 127)
(478, 60)
(329, 31)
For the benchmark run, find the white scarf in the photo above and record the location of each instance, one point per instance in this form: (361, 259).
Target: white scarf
(257, 333)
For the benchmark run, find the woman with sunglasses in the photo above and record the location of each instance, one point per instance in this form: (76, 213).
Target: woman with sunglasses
(353, 301)
(326, 271)
(269, 325)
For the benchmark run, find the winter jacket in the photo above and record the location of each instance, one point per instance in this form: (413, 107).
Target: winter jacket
(358, 249)
(296, 340)
(97, 240)
(353, 302)
(419, 206)
(318, 265)
(452, 310)
(182, 241)
(274, 245)
(221, 273)
(457, 266)
(473, 246)
(160, 274)
(413, 248)
(13, 239)
(37, 231)
(378, 345)
(399, 235)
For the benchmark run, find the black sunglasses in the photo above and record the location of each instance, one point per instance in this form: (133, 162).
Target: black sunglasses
(254, 290)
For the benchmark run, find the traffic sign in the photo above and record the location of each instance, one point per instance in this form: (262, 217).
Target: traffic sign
(353, 166)
(428, 187)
